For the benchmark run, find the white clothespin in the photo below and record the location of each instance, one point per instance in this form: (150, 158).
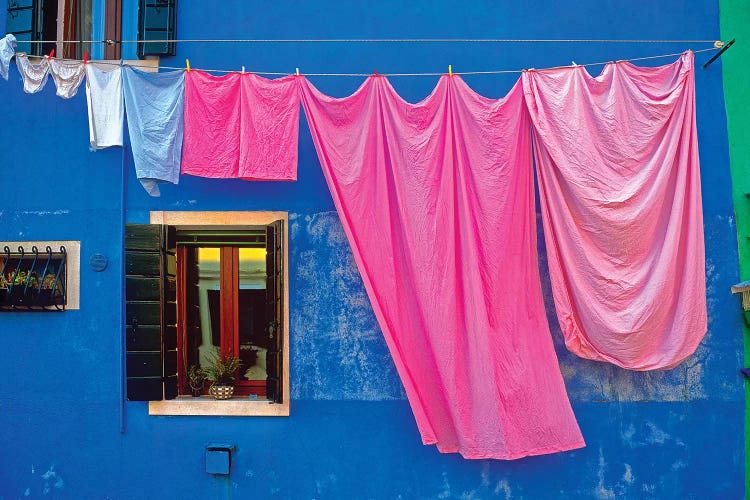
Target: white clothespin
(243, 70)
(296, 71)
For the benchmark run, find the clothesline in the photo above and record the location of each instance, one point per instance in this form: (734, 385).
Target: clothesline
(491, 72)
(717, 43)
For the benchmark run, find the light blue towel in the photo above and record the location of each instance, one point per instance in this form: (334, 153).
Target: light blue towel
(154, 103)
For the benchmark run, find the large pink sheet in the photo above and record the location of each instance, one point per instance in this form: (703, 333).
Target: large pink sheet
(437, 201)
(617, 162)
(240, 125)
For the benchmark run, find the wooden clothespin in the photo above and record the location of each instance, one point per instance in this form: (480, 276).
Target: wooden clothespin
(85, 58)
(450, 70)
(187, 65)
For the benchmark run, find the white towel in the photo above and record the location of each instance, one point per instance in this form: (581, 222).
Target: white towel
(8, 46)
(105, 104)
(67, 76)
(34, 74)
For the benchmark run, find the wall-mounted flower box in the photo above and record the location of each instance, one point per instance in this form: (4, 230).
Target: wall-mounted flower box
(33, 280)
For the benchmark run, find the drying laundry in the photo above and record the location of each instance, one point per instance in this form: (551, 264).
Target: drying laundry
(34, 74)
(154, 104)
(67, 75)
(241, 125)
(619, 181)
(437, 201)
(105, 104)
(8, 46)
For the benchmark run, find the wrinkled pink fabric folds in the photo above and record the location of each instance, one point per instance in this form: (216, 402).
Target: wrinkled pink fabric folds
(617, 160)
(437, 201)
(240, 125)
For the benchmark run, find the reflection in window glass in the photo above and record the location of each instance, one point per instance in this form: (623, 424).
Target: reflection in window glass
(253, 334)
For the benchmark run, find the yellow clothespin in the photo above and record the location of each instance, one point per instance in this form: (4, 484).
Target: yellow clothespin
(187, 65)
(450, 70)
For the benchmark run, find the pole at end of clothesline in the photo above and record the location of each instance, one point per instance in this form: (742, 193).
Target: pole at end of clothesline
(719, 53)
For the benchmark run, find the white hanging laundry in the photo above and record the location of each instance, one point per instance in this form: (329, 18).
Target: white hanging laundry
(105, 104)
(8, 46)
(67, 76)
(34, 74)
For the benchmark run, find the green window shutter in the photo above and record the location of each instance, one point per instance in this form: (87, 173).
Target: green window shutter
(150, 312)
(156, 21)
(22, 22)
(275, 310)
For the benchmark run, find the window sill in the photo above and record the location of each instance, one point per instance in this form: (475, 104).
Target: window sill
(208, 406)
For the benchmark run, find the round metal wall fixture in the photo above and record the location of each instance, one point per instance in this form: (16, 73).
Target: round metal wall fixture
(98, 262)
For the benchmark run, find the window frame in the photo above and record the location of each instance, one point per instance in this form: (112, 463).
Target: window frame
(188, 405)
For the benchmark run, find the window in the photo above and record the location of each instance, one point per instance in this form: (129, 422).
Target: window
(203, 283)
(36, 20)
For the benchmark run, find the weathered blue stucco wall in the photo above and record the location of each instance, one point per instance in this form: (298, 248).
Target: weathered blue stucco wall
(675, 434)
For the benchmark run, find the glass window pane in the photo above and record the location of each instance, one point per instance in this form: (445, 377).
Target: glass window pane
(253, 334)
(209, 305)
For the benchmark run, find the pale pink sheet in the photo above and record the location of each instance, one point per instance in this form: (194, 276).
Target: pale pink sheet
(617, 163)
(437, 201)
(240, 125)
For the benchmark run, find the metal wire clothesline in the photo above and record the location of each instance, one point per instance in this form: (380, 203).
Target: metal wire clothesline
(492, 72)
(387, 40)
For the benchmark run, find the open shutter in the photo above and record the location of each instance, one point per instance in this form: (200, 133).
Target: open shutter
(150, 312)
(21, 21)
(275, 310)
(156, 21)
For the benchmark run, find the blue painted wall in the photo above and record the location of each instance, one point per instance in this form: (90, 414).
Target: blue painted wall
(675, 434)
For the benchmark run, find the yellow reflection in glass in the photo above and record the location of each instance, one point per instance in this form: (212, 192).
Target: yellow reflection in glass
(209, 254)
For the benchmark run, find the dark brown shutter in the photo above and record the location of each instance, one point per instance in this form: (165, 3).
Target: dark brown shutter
(150, 312)
(275, 310)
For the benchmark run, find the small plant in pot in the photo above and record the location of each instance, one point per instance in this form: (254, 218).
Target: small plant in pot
(196, 378)
(46, 297)
(3, 288)
(222, 372)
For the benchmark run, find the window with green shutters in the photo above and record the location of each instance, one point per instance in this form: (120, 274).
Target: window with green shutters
(194, 293)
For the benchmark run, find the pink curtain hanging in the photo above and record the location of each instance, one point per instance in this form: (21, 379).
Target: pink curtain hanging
(437, 202)
(240, 125)
(617, 163)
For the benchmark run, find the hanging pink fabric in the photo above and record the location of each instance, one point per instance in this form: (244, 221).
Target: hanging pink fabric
(617, 162)
(240, 125)
(437, 202)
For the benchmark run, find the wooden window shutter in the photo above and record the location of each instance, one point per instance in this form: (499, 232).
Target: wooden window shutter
(150, 312)
(275, 310)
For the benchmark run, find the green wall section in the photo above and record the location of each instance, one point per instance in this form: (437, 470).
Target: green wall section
(735, 23)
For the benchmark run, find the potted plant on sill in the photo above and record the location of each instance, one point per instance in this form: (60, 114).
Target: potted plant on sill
(222, 372)
(3, 289)
(196, 379)
(45, 297)
(20, 293)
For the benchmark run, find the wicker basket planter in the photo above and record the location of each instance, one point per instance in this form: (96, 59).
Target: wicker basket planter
(221, 391)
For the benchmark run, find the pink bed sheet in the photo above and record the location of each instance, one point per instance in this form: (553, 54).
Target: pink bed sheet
(437, 201)
(618, 170)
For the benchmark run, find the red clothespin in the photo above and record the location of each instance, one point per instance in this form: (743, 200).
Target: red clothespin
(376, 72)
(85, 58)
(51, 54)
